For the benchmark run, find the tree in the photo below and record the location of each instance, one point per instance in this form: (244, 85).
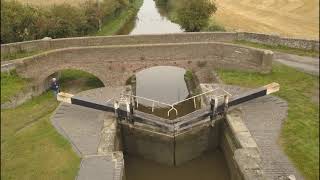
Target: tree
(17, 22)
(194, 15)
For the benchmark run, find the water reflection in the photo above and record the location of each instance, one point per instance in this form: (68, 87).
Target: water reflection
(165, 84)
(162, 83)
(209, 166)
(149, 21)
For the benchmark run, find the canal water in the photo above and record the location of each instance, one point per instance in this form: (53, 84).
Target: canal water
(150, 21)
(209, 166)
(166, 84)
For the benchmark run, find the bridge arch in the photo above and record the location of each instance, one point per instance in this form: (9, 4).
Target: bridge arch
(71, 80)
(113, 65)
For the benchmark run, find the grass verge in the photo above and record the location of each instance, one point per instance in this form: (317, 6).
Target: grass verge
(280, 48)
(11, 84)
(31, 147)
(115, 24)
(300, 132)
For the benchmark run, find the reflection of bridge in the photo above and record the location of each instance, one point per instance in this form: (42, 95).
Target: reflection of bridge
(198, 117)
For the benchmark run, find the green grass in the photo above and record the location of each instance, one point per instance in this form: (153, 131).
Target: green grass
(300, 133)
(188, 75)
(18, 55)
(31, 147)
(114, 24)
(11, 84)
(280, 48)
(75, 80)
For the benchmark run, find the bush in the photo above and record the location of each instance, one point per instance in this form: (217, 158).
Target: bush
(194, 14)
(212, 26)
(64, 21)
(20, 22)
(188, 75)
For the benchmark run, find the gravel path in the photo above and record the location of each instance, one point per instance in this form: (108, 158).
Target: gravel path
(305, 64)
(91, 133)
(264, 117)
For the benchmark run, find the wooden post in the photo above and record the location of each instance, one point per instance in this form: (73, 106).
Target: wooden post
(226, 101)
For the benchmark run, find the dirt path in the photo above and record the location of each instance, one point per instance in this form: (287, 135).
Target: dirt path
(305, 64)
(292, 18)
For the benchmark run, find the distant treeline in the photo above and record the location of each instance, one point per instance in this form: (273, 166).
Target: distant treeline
(21, 22)
(192, 15)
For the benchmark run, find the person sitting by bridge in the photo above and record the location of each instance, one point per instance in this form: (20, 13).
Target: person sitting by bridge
(55, 87)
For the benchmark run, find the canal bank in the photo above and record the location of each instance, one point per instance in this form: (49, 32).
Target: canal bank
(115, 23)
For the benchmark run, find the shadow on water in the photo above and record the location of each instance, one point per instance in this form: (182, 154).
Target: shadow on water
(209, 166)
(183, 108)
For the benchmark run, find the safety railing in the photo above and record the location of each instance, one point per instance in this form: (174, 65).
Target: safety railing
(134, 98)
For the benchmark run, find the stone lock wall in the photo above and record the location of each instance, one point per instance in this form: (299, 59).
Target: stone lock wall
(172, 150)
(230, 134)
(148, 144)
(240, 149)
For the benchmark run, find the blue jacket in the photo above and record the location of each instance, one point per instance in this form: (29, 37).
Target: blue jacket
(55, 86)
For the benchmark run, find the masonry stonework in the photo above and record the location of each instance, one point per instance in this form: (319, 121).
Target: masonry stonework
(43, 45)
(113, 65)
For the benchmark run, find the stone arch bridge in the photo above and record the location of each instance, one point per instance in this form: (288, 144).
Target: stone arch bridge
(114, 59)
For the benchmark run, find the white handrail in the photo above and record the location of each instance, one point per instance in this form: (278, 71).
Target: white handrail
(172, 105)
(194, 96)
(153, 101)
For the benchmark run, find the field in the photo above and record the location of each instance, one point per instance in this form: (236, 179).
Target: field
(292, 18)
